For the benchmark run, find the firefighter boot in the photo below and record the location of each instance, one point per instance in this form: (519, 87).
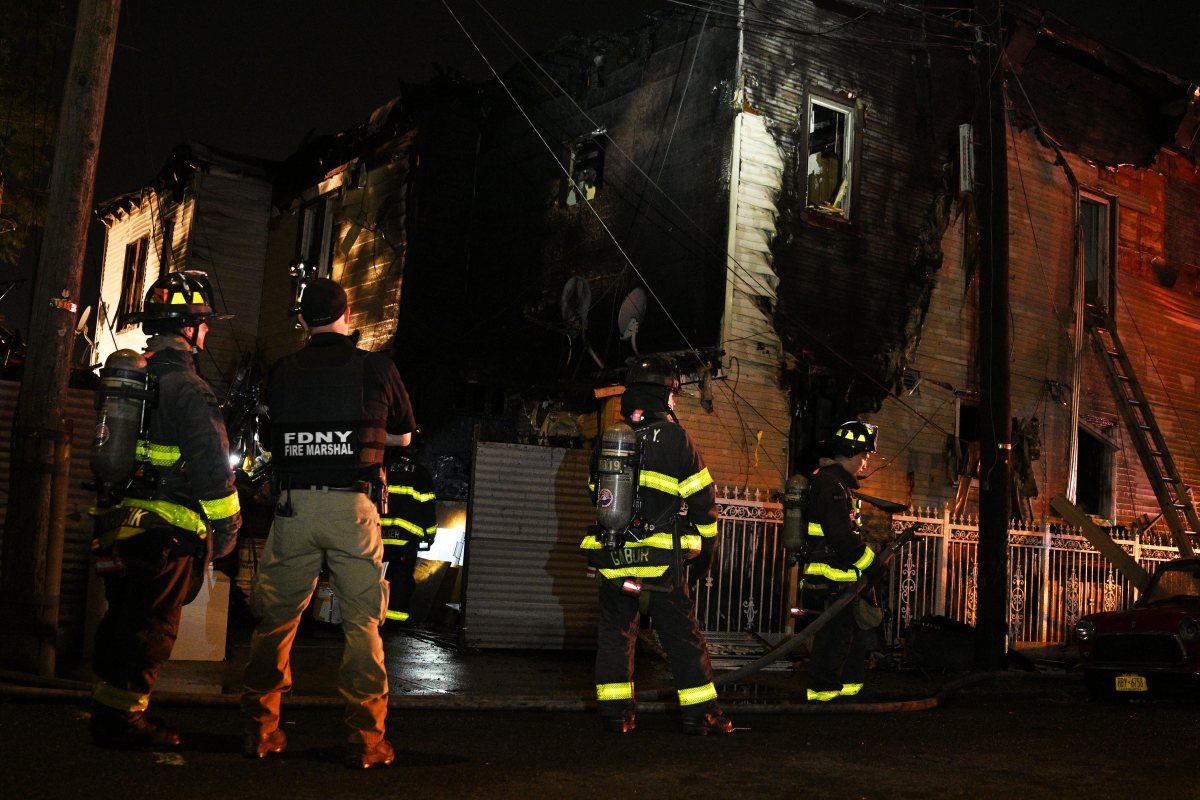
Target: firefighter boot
(260, 744)
(129, 730)
(369, 756)
(712, 721)
(622, 722)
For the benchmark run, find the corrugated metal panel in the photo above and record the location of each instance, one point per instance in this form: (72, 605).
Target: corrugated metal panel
(79, 527)
(526, 584)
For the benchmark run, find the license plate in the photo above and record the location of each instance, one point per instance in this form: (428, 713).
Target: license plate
(1131, 683)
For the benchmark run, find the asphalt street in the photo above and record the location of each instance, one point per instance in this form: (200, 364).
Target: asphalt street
(1008, 738)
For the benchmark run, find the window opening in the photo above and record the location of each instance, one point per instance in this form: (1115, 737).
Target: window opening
(133, 279)
(1096, 249)
(1094, 485)
(586, 168)
(830, 157)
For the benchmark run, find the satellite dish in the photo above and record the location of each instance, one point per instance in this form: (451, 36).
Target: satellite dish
(81, 326)
(629, 317)
(575, 302)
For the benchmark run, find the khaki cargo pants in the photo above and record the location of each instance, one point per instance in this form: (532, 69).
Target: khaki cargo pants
(340, 529)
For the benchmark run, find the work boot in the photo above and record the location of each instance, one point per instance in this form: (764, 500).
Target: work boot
(714, 722)
(129, 730)
(264, 743)
(624, 722)
(364, 756)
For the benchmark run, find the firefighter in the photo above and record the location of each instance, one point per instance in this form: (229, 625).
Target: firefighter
(644, 573)
(157, 535)
(838, 555)
(333, 409)
(409, 525)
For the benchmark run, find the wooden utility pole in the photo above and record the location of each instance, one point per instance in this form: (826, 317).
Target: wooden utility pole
(995, 441)
(32, 560)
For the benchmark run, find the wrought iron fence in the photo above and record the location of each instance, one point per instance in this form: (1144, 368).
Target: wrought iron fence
(1055, 576)
(746, 590)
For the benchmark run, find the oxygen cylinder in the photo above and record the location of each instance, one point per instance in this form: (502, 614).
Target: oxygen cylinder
(616, 482)
(795, 504)
(120, 406)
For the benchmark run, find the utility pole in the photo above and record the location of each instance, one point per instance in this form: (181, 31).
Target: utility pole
(995, 441)
(32, 554)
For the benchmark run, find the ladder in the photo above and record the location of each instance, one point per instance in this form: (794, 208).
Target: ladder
(1173, 495)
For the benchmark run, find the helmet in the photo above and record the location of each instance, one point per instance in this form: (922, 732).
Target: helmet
(185, 297)
(854, 437)
(656, 371)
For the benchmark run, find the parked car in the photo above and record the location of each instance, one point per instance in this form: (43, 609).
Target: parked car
(1151, 648)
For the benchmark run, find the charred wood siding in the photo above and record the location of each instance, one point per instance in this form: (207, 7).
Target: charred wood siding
(531, 241)
(848, 290)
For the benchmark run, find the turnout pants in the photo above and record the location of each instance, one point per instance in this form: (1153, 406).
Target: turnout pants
(138, 630)
(341, 530)
(675, 620)
(401, 562)
(839, 650)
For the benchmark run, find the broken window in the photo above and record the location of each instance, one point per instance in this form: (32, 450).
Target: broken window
(1097, 225)
(586, 168)
(1094, 481)
(133, 279)
(830, 156)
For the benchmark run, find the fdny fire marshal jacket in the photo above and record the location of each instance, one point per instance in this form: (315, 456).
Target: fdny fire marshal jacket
(331, 408)
(672, 473)
(837, 550)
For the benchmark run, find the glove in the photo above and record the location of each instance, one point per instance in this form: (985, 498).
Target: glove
(224, 535)
(875, 571)
(701, 565)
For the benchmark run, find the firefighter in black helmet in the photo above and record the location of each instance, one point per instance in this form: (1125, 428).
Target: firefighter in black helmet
(179, 511)
(409, 525)
(838, 555)
(644, 574)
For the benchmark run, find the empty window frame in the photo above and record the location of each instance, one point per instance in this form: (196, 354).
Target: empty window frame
(1094, 484)
(1097, 249)
(314, 246)
(830, 155)
(133, 281)
(586, 167)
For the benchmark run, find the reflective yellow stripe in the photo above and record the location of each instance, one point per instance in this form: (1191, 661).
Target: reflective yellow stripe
(865, 559)
(121, 699)
(656, 480)
(689, 486)
(175, 514)
(159, 455)
(221, 509)
(661, 540)
(396, 542)
(635, 572)
(815, 529)
(707, 530)
(840, 575)
(700, 694)
(397, 615)
(614, 691)
(850, 689)
(420, 497)
(823, 697)
(399, 522)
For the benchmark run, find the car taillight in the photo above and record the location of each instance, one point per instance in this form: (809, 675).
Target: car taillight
(1189, 630)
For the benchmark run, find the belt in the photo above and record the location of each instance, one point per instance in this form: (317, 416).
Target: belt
(358, 487)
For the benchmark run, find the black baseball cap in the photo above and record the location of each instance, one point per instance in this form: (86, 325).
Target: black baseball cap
(323, 302)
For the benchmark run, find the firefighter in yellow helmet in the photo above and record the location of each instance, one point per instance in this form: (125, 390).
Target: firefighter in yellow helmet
(644, 574)
(838, 555)
(179, 511)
